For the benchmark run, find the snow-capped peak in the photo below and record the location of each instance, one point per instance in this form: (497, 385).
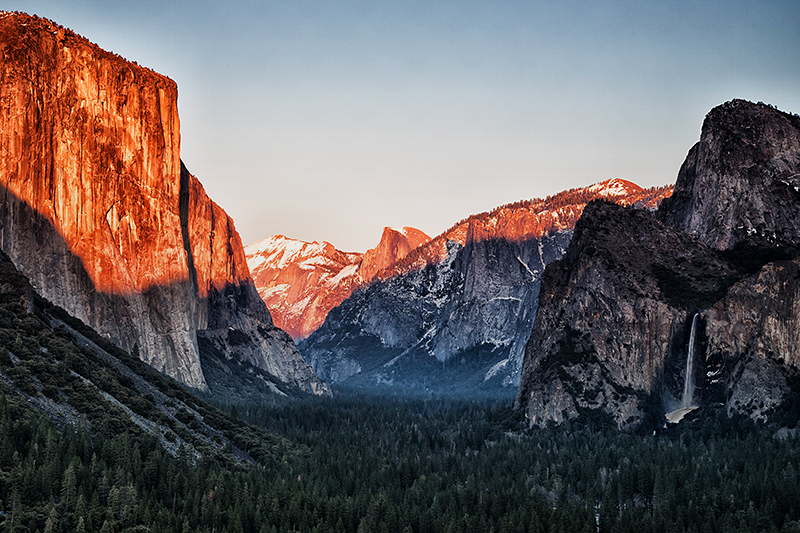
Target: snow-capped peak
(614, 187)
(404, 231)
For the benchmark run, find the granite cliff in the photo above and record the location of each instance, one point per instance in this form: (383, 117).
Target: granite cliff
(615, 315)
(455, 313)
(395, 244)
(302, 281)
(98, 212)
(740, 182)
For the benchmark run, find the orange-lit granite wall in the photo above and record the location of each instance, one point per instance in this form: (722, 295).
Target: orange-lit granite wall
(228, 298)
(97, 210)
(216, 246)
(90, 144)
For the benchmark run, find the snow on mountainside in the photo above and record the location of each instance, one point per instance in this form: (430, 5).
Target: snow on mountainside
(528, 219)
(615, 187)
(301, 282)
(456, 312)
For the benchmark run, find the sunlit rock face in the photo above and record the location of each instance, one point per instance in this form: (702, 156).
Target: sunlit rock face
(395, 244)
(90, 166)
(455, 313)
(302, 281)
(613, 328)
(231, 314)
(95, 209)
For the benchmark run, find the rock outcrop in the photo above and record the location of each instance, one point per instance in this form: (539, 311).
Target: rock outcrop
(455, 313)
(395, 244)
(97, 212)
(231, 315)
(613, 319)
(740, 182)
(301, 282)
(753, 338)
(615, 315)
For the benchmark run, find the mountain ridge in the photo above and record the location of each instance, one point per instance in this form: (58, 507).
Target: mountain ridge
(57, 365)
(99, 212)
(459, 313)
(302, 281)
(300, 311)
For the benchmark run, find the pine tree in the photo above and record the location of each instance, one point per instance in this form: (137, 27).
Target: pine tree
(51, 524)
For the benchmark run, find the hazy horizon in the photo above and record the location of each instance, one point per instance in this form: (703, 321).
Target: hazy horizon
(330, 120)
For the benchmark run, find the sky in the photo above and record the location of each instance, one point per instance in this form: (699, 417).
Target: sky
(328, 120)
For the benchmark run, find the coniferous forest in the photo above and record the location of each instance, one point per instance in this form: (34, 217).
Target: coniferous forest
(91, 439)
(367, 464)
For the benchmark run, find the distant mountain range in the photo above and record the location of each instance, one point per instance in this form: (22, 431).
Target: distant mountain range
(301, 282)
(467, 295)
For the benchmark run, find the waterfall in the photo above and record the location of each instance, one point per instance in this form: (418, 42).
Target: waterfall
(688, 382)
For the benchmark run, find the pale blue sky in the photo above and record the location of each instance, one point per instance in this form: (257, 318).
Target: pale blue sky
(330, 120)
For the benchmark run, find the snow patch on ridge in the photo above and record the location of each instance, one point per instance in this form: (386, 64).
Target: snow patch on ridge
(497, 367)
(347, 272)
(401, 231)
(280, 251)
(275, 290)
(614, 187)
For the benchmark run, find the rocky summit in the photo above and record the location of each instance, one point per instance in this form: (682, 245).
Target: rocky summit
(98, 211)
(740, 183)
(455, 313)
(302, 281)
(699, 300)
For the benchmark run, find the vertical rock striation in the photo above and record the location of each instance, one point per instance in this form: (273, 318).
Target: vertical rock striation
(231, 314)
(92, 209)
(754, 338)
(613, 323)
(90, 170)
(455, 313)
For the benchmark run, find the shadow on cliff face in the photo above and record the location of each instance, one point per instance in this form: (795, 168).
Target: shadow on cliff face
(706, 372)
(632, 286)
(164, 322)
(450, 327)
(158, 321)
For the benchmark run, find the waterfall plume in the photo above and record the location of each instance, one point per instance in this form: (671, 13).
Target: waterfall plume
(688, 381)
